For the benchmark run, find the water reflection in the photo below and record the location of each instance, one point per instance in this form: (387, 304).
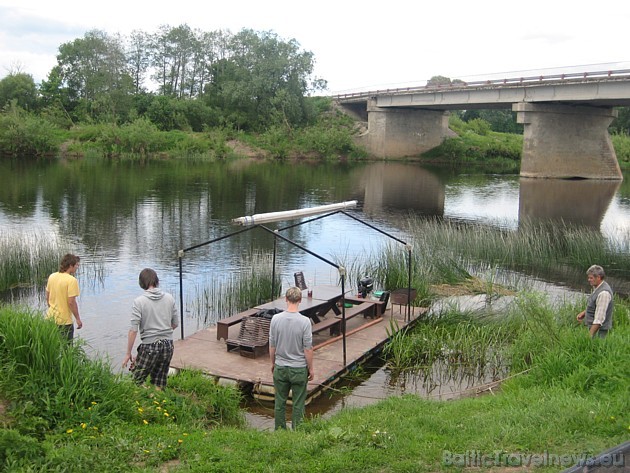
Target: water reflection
(130, 216)
(579, 202)
(399, 188)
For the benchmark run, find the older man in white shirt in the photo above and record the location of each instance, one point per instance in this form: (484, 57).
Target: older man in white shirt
(599, 307)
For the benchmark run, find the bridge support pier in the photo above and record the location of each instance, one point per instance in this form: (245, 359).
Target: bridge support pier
(400, 132)
(564, 141)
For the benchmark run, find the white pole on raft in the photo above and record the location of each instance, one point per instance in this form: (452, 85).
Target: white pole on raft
(292, 214)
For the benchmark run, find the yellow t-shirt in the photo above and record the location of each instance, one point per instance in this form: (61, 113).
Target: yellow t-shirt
(60, 287)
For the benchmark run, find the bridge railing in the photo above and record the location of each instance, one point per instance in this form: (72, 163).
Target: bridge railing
(525, 80)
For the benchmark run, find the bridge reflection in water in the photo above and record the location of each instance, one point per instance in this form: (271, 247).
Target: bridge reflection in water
(386, 188)
(579, 202)
(392, 190)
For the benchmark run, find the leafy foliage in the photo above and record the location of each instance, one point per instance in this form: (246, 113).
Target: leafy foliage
(25, 134)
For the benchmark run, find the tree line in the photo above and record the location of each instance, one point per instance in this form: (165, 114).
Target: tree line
(178, 77)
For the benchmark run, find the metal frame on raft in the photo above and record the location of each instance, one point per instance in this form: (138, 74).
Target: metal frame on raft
(256, 221)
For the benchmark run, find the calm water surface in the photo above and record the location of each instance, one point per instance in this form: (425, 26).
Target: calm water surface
(125, 217)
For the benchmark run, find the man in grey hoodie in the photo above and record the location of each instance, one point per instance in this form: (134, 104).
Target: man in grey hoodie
(154, 315)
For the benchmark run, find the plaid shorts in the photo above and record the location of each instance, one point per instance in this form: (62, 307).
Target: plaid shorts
(153, 359)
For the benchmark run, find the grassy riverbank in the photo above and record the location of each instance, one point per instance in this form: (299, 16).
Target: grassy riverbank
(567, 395)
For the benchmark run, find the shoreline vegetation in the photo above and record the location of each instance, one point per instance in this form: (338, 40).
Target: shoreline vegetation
(558, 393)
(328, 137)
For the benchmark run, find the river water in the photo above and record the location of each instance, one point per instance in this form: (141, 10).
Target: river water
(122, 217)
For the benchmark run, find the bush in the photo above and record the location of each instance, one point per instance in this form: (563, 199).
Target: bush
(24, 134)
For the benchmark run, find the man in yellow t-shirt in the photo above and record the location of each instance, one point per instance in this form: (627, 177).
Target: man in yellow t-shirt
(62, 291)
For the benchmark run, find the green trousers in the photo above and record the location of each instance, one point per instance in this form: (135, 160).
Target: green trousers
(285, 379)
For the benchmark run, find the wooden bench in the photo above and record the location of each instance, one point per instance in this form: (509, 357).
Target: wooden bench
(223, 325)
(379, 306)
(253, 337)
(334, 323)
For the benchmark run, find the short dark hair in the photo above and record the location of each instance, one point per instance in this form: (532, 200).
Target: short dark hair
(294, 295)
(596, 270)
(68, 260)
(148, 278)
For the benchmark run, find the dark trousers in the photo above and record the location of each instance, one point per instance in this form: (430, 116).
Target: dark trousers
(287, 379)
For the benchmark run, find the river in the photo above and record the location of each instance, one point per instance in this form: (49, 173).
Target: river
(122, 217)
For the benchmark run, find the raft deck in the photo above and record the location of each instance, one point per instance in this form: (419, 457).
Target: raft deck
(365, 337)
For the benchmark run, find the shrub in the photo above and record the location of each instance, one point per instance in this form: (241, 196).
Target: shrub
(23, 134)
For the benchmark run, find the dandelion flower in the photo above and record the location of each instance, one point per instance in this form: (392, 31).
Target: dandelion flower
(145, 421)
(166, 414)
(83, 425)
(180, 441)
(140, 410)
(94, 403)
(69, 431)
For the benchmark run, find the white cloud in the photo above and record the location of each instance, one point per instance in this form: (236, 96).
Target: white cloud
(356, 44)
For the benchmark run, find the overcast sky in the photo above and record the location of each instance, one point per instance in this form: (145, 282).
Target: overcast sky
(357, 44)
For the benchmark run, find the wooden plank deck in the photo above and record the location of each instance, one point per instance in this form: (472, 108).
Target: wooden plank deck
(366, 336)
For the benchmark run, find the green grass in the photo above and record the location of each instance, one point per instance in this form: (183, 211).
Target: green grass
(217, 298)
(573, 400)
(28, 258)
(536, 247)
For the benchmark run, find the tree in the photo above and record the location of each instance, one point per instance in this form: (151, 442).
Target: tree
(263, 81)
(21, 88)
(94, 75)
(138, 57)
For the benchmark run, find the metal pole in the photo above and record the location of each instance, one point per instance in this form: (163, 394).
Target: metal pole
(343, 316)
(273, 271)
(181, 295)
(409, 284)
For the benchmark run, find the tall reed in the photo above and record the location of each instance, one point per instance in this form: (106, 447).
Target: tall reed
(537, 246)
(27, 258)
(249, 286)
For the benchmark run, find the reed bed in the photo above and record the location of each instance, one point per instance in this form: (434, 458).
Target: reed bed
(533, 246)
(248, 287)
(27, 258)
(471, 344)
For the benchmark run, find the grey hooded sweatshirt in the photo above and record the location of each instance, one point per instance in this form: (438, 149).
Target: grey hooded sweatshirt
(154, 315)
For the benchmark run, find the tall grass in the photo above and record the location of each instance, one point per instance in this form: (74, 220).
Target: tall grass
(52, 385)
(27, 258)
(535, 246)
(248, 287)
(533, 334)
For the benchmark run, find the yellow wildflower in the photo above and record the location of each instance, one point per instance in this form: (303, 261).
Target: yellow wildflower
(69, 431)
(145, 421)
(83, 425)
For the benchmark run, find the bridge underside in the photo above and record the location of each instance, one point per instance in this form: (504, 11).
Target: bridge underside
(400, 132)
(559, 141)
(564, 141)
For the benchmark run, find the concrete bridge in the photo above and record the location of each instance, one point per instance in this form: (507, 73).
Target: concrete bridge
(565, 117)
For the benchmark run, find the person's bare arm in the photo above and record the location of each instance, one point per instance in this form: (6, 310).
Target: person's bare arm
(272, 356)
(308, 354)
(131, 339)
(74, 308)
